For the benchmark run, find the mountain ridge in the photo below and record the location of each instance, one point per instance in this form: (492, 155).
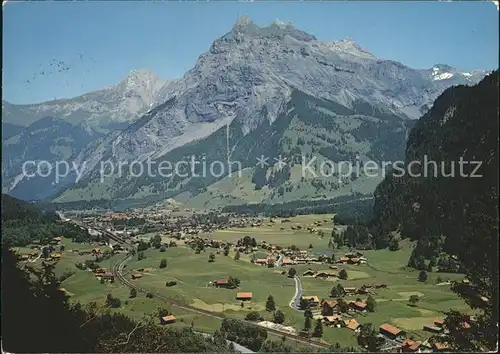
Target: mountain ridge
(107, 105)
(253, 70)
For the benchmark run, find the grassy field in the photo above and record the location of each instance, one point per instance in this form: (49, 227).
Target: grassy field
(388, 267)
(273, 233)
(68, 258)
(193, 274)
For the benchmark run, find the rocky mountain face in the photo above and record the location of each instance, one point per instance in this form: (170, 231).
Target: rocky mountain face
(99, 110)
(48, 139)
(248, 79)
(461, 126)
(60, 129)
(252, 67)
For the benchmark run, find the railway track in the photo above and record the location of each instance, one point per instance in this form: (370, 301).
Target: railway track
(117, 269)
(117, 272)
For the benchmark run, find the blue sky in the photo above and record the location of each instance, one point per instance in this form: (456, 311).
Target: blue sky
(102, 41)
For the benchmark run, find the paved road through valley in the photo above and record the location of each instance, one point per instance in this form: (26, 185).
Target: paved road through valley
(295, 302)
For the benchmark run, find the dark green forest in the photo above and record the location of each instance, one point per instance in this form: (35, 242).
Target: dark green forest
(37, 318)
(355, 201)
(22, 223)
(451, 214)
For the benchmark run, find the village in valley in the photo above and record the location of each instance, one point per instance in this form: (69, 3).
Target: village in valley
(283, 274)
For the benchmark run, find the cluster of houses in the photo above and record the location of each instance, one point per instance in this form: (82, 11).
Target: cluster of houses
(37, 244)
(295, 257)
(408, 345)
(267, 262)
(37, 247)
(352, 258)
(29, 256)
(330, 313)
(438, 326)
(209, 243)
(321, 274)
(53, 256)
(183, 227)
(102, 273)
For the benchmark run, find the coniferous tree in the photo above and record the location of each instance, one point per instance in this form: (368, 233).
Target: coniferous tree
(270, 305)
(371, 304)
(318, 329)
(279, 317)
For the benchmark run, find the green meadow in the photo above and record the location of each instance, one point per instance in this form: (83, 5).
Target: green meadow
(194, 274)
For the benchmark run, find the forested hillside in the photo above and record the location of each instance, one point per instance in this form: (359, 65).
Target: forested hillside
(452, 212)
(41, 312)
(22, 223)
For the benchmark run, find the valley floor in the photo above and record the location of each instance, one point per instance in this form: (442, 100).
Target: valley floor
(194, 274)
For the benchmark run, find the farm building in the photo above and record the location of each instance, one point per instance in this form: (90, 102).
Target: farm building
(332, 320)
(325, 275)
(222, 283)
(350, 291)
(358, 305)
(433, 329)
(168, 319)
(288, 261)
(390, 331)
(244, 296)
(136, 276)
(439, 322)
(261, 261)
(309, 272)
(313, 300)
(410, 346)
(440, 347)
(352, 324)
(342, 260)
(109, 276)
(356, 254)
(328, 307)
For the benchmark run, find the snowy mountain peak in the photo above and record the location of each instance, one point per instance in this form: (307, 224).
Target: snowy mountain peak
(442, 67)
(441, 72)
